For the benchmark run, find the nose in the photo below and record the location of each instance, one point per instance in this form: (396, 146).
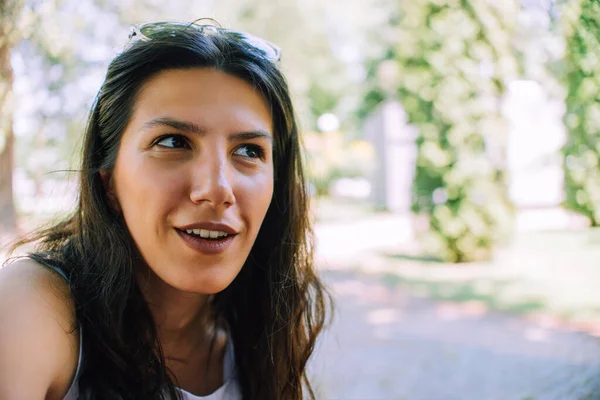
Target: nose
(212, 183)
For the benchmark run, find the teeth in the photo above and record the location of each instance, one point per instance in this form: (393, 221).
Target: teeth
(206, 234)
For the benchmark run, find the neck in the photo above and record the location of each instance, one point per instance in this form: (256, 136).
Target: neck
(183, 320)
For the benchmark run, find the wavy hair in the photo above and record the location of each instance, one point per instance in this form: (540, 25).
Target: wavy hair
(276, 306)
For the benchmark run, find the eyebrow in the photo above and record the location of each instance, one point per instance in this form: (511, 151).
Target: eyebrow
(194, 128)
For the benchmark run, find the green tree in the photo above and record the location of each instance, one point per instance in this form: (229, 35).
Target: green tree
(452, 59)
(9, 16)
(581, 24)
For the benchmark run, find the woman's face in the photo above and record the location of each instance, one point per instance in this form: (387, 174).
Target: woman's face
(194, 176)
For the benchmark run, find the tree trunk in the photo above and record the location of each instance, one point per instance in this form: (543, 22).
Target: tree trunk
(9, 10)
(8, 218)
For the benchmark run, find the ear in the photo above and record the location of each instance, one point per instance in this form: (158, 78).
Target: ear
(107, 182)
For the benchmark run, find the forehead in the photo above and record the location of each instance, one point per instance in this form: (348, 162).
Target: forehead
(204, 96)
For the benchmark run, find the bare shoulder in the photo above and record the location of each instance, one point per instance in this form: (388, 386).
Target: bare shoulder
(25, 284)
(39, 347)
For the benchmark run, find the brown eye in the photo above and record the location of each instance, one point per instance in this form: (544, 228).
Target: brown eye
(172, 142)
(250, 151)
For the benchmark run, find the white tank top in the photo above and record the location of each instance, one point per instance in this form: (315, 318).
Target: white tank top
(230, 390)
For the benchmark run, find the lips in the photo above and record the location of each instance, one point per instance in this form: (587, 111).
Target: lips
(210, 226)
(207, 246)
(206, 234)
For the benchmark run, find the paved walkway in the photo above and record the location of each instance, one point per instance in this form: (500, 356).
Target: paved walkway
(386, 344)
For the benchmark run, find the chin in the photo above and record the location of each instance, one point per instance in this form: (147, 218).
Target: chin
(211, 284)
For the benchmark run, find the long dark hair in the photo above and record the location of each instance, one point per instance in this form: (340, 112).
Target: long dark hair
(275, 307)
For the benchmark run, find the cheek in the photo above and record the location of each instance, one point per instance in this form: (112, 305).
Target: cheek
(146, 192)
(255, 198)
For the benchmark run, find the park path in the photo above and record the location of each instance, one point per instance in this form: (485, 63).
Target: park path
(388, 344)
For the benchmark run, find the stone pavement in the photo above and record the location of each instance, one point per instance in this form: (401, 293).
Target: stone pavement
(388, 344)
(385, 344)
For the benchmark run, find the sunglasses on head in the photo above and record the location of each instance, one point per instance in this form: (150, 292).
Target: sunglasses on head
(205, 26)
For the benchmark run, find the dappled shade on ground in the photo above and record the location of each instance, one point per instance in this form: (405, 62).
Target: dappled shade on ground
(387, 344)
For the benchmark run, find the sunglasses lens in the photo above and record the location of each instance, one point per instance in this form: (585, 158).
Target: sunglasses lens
(270, 51)
(153, 29)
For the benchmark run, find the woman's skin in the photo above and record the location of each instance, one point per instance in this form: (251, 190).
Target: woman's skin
(197, 151)
(38, 348)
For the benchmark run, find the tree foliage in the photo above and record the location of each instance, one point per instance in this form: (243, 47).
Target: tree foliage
(581, 24)
(453, 59)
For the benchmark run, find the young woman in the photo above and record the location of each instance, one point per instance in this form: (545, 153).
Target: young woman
(186, 269)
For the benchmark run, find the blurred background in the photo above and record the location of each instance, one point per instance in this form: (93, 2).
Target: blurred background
(453, 153)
